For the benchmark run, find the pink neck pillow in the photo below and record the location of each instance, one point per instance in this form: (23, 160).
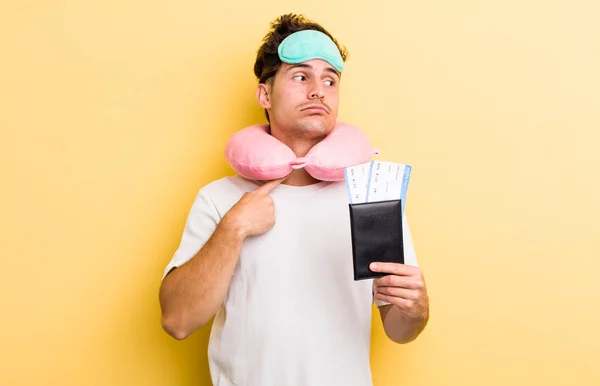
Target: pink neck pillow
(255, 154)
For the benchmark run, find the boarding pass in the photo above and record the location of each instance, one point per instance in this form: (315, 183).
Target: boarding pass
(377, 181)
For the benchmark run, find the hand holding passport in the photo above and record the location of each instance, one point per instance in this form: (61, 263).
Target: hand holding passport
(377, 194)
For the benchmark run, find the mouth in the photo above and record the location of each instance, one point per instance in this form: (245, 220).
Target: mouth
(315, 108)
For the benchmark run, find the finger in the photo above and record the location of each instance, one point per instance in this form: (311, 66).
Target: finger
(398, 281)
(393, 268)
(400, 302)
(398, 292)
(268, 187)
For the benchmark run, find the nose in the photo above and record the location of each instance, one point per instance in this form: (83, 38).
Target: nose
(316, 89)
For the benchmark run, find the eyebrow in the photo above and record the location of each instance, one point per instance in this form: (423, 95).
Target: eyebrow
(304, 65)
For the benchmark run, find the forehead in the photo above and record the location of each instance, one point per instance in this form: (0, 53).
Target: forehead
(315, 65)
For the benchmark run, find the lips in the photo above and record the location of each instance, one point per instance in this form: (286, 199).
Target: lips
(315, 108)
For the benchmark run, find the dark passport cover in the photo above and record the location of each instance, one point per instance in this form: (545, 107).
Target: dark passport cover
(376, 229)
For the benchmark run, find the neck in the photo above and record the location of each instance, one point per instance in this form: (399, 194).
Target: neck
(300, 146)
(300, 177)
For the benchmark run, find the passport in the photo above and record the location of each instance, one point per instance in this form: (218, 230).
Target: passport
(376, 233)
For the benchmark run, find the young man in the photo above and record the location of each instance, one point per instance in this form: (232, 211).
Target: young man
(273, 261)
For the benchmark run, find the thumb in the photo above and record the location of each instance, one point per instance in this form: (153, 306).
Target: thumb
(270, 185)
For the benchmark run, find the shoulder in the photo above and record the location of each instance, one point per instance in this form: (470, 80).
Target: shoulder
(224, 192)
(227, 185)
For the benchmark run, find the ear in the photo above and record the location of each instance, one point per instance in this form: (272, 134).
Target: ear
(263, 95)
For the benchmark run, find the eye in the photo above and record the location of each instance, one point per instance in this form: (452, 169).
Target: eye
(299, 78)
(329, 82)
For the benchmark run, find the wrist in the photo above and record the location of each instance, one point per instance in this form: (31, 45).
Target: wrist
(232, 227)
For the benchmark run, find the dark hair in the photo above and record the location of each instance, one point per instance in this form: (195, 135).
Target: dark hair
(267, 60)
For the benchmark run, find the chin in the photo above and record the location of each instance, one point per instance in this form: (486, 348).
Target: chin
(314, 127)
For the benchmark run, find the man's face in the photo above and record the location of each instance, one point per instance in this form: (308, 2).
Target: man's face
(302, 100)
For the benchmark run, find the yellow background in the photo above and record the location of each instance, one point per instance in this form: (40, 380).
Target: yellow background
(114, 113)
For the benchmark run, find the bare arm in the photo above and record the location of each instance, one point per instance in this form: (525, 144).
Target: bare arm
(191, 294)
(398, 327)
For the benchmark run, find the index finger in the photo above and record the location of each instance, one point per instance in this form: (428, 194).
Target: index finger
(268, 186)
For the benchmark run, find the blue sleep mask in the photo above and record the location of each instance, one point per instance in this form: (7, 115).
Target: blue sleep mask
(309, 44)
